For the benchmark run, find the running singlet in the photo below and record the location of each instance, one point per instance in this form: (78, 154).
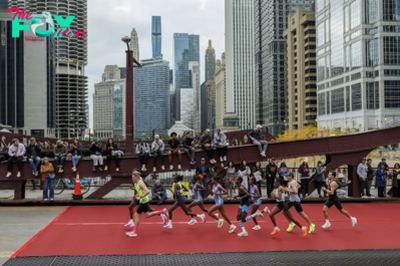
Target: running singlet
(179, 191)
(256, 201)
(244, 201)
(141, 192)
(276, 192)
(218, 199)
(196, 192)
(293, 197)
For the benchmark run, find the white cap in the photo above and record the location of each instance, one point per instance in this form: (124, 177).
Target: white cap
(208, 130)
(306, 159)
(156, 136)
(341, 176)
(258, 126)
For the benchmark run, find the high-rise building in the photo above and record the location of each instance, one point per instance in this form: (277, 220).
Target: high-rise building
(220, 87)
(134, 44)
(210, 103)
(301, 69)
(172, 96)
(203, 107)
(270, 20)
(123, 72)
(3, 5)
(358, 60)
(194, 68)
(187, 104)
(152, 101)
(72, 57)
(156, 36)
(239, 43)
(210, 61)
(109, 104)
(186, 49)
(21, 4)
(27, 81)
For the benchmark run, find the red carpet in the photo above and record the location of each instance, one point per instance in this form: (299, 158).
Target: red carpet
(100, 231)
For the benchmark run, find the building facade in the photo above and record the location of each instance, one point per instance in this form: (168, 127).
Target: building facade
(187, 107)
(210, 98)
(358, 59)
(270, 20)
(194, 68)
(220, 93)
(156, 36)
(152, 97)
(301, 69)
(210, 61)
(134, 44)
(203, 107)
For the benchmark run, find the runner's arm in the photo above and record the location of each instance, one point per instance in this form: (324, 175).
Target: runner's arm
(223, 191)
(146, 190)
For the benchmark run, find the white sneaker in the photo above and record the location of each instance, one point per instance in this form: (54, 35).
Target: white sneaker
(217, 217)
(267, 210)
(179, 167)
(19, 174)
(8, 174)
(256, 228)
(166, 212)
(168, 226)
(131, 234)
(171, 167)
(225, 158)
(232, 228)
(365, 197)
(260, 214)
(60, 170)
(203, 218)
(192, 221)
(326, 225)
(154, 169)
(243, 234)
(46, 200)
(36, 173)
(220, 223)
(354, 221)
(371, 197)
(162, 167)
(130, 224)
(163, 218)
(221, 159)
(143, 169)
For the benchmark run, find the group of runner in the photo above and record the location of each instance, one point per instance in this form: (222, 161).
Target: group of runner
(244, 214)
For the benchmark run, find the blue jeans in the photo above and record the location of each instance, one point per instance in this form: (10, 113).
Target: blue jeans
(163, 197)
(48, 185)
(75, 159)
(59, 161)
(34, 163)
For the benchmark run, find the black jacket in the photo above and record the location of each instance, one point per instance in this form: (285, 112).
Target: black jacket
(206, 139)
(271, 170)
(95, 147)
(370, 174)
(29, 150)
(77, 150)
(199, 171)
(108, 151)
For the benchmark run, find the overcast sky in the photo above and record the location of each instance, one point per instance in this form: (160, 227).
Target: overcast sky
(109, 20)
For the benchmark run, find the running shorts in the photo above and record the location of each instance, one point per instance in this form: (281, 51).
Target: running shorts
(245, 208)
(334, 201)
(296, 205)
(143, 207)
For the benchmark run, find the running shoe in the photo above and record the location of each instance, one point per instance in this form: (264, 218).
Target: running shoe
(168, 226)
(166, 212)
(243, 234)
(256, 228)
(203, 218)
(192, 221)
(163, 218)
(354, 221)
(130, 224)
(131, 234)
(217, 217)
(258, 213)
(267, 210)
(291, 227)
(305, 232)
(232, 228)
(326, 225)
(312, 229)
(276, 231)
(220, 223)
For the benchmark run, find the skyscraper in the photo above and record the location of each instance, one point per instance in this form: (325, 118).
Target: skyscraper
(3, 5)
(210, 61)
(186, 49)
(156, 36)
(134, 44)
(152, 101)
(194, 68)
(187, 104)
(239, 43)
(270, 20)
(358, 60)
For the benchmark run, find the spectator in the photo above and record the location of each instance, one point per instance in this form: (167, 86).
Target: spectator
(342, 190)
(189, 147)
(206, 145)
(258, 174)
(244, 172)
(203, 170)
(362, 172)
(386, 171)
(112, 153)
(283, 172)
(158, 192)
(229, 179)
(16, 151)
(257, 139)
(60, 153)
(304, 171)
(48, 175)
(221, 144)
(319, 179)
(380, 181)
(157, 148)
(143, 151)
(174, 149)
(32, 153)
(370, 175)
(76, 152)
(96, 154)
(271, 170)
(396, 181)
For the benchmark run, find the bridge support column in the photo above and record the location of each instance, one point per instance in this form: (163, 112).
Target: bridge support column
(17, 185)
(354, 186)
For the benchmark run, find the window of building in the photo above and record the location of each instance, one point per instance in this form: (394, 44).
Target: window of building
(391, 50)
(371, 14)
(321, 104)
(392, 93)
(391, 10)
(356, 55)
(372, 95)
(356, 100)
(348, 99)
(337, 100)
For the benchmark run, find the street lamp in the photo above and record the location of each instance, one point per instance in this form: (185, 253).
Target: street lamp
(129, 96)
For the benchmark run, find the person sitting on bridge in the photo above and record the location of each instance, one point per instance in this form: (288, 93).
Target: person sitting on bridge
(16, 152)
(76, 152)
(158, 192)
(206, 145)
(221, 144)
(189, 147)
(96, 154)
(112, 154)
(32, 153)
(143, 151)
(60, 153)
(157, 147)
(174, 149)
(257, 139)
(342, 190)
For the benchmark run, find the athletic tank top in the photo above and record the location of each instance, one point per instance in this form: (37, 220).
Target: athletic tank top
(276, 193)
(196, 191)
(179, 191)
(253, 193)
(334, 196)
(141, 192)
(244, 201)
(217, 199)
(293, 197)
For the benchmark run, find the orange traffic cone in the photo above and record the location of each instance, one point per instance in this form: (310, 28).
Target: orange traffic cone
(77, 192)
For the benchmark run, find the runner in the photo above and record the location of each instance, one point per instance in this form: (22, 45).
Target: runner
(294, 200)
(180, 202)
(196, 186)
(279, 194)
(218, 191)
(334, 200)
(142, 196)
(255, 195)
